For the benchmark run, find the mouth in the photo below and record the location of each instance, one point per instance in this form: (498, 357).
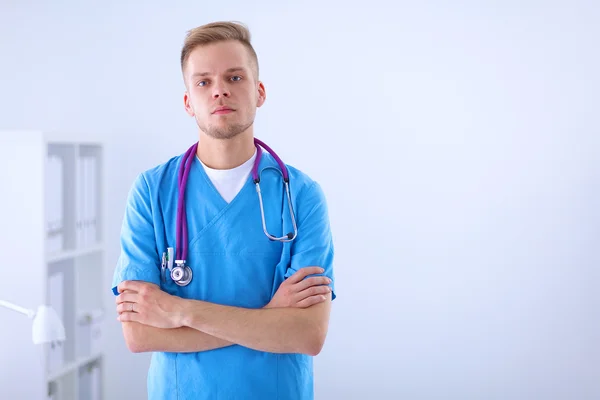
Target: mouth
(223, 110)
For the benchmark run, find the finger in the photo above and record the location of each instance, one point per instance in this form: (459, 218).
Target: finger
(129, 285)
(311, 301)
(129, 317)
(312, 291)
(126, 307)
(128, 296)
(312, 281)
(304, 272)
(136, 286)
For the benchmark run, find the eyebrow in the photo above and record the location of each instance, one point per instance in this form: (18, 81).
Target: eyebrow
(230, 70)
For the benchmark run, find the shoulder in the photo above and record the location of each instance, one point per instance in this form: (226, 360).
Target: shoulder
(311, 210)
(304, 187)
(152, 179)
(157, 173)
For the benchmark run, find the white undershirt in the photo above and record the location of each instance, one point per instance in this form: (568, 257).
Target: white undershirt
(229, 182)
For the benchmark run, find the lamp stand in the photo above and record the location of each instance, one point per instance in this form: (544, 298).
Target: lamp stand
(14, 307)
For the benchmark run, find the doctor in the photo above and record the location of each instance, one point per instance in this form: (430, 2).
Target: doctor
(247, 319)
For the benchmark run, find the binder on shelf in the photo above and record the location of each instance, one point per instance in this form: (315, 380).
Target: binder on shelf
(89, 333)
(89, 382)
(93, 199)
(86, 218)
(56, 351)
(84, 382)
(85, 198)
(54, 203)
(80, 190)
(52, 391)
(95, 386)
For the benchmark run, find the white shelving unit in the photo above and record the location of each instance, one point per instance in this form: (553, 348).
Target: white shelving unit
(51, 216)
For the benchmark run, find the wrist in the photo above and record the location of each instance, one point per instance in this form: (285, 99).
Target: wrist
(181, 312)
(186, 313)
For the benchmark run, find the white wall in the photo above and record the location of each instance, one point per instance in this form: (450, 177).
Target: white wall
(457, 142)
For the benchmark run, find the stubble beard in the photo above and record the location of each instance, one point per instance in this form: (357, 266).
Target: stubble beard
(228, 132)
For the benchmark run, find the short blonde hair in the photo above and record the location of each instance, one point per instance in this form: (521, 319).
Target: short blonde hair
(218, 32)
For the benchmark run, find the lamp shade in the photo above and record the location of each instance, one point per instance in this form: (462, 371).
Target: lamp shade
(47, 326)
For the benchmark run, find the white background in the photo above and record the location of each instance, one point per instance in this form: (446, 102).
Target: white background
(457, 143)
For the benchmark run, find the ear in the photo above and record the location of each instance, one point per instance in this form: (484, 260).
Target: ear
(186, 103)
(262, 94)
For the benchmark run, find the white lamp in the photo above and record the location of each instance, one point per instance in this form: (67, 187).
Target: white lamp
(47, 326)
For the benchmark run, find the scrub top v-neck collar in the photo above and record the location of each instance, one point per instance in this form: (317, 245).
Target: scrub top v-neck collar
(215, 177)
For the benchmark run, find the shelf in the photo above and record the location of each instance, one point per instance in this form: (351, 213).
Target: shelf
(72, 366)
(60, 209)
(70, 254)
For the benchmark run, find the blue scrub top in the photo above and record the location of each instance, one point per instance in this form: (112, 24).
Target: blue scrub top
(234, 264)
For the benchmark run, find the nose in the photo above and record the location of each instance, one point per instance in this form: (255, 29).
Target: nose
(221, 90)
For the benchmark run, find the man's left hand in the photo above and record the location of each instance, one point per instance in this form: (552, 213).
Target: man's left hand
(145, 303)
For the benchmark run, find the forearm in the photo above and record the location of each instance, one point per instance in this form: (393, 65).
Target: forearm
(275, 330)
(144, 338)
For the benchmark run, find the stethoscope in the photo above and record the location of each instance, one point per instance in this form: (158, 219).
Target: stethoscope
(181, 273)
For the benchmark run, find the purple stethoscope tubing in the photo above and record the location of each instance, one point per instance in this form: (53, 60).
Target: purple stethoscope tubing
(183, 174)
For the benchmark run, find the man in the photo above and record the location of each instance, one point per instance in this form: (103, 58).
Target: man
(256, 310)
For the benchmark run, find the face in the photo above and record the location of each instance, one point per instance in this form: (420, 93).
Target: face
(222, 90)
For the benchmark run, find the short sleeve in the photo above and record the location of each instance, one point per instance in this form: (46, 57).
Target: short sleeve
(138, 259)
(314, 244)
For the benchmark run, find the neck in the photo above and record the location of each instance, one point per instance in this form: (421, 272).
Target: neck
(225, 153)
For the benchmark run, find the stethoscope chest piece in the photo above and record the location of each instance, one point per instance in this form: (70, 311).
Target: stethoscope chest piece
(181, 274)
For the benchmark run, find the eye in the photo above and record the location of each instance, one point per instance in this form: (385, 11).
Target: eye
(236, 78)
(202, 83)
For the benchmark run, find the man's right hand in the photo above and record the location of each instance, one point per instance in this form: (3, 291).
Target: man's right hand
(296, 291)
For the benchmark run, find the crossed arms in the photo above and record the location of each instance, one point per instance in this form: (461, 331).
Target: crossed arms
(295, 321)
